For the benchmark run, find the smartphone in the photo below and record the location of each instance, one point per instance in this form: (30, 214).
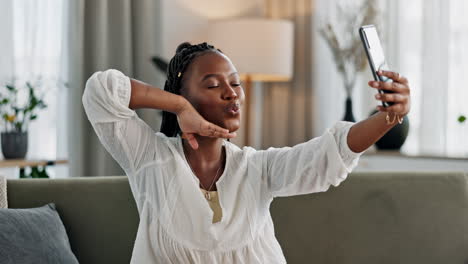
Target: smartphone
(375, 55)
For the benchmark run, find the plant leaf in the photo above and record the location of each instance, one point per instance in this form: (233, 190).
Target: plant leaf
(10, 88)
(461, 118)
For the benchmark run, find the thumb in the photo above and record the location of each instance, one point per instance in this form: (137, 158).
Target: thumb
(191, 140)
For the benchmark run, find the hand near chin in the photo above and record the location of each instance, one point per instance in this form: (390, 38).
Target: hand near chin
(192, 123)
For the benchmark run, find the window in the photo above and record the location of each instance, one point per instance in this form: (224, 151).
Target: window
(431, 39)
(37, 30)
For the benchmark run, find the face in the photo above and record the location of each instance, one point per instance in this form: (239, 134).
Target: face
(212, 85)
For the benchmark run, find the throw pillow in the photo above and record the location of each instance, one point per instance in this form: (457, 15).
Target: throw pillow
(35, 235)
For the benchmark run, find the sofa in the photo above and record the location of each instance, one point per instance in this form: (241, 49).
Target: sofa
(370, 218)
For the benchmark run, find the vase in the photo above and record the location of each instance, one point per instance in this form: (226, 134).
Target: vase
(349, 110)
(14, 145)
(395, 137)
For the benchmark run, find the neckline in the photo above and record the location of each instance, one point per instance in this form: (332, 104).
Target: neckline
(220, 179)
(206, 203)
(207, 191)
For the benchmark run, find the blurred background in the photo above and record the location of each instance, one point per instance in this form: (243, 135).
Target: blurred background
(289, 50)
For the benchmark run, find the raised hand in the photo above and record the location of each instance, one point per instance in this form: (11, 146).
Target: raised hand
(400, 96)
(192, 123)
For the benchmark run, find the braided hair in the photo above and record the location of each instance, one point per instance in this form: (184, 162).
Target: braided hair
(185, 54)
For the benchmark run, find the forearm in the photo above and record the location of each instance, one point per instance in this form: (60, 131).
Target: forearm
(146, 96)
(365, 133)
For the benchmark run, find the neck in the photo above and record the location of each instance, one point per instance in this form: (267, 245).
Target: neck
(208, 154)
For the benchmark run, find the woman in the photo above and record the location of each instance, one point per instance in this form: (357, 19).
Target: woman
(201, 199)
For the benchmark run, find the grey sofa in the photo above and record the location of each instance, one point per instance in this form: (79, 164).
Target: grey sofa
(370, 218)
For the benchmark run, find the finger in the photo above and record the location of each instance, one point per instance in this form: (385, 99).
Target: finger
(389, 86)
(396, 108)
(191, 140)
(212, 130)
(381, 108)
(393, 97)
(395, 76)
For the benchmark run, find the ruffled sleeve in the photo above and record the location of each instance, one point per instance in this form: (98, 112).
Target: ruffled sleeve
(128, 139)
(311, 166)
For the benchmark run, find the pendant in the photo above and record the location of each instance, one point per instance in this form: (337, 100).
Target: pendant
(208, 196)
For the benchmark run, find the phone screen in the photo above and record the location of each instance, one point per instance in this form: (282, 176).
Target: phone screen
(375, 51)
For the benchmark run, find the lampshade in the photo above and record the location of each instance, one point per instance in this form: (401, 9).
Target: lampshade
(220, 9)
(260, 48)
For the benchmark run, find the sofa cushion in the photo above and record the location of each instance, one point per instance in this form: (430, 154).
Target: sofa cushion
(34, 235)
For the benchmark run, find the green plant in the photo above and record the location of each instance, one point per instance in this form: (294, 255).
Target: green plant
(461, 118)
(17, 117)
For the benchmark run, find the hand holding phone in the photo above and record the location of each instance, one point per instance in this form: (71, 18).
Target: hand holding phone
(375, 55)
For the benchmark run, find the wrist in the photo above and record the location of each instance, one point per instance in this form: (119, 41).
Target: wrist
(182, 104)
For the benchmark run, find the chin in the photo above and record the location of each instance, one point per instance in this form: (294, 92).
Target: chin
(232, 125)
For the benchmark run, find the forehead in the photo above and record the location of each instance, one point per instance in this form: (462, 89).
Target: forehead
(211, 63)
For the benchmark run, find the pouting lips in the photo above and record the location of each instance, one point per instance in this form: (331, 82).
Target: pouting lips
(233, 108)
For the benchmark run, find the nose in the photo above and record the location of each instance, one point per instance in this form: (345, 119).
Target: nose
(229, 93)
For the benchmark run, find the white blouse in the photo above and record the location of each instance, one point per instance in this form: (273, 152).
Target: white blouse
(175, 218)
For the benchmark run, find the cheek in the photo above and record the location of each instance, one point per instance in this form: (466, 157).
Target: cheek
(206, 108)
(198, 102)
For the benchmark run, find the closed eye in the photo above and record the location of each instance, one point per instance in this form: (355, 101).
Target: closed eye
(216, 86)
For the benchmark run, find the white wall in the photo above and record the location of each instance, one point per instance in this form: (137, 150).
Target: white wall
(179, 25)
(329, 101)
(185, 20)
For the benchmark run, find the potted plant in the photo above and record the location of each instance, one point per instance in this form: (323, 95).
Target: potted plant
(342, 37)
(16, 118)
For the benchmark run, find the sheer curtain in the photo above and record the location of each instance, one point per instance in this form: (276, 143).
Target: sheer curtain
(429, 46)
(36, 50)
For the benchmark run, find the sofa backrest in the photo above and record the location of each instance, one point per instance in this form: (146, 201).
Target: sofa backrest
(369, 218)
(378, 218)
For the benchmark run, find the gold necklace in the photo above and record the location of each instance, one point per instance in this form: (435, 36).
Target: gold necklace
(207, 194)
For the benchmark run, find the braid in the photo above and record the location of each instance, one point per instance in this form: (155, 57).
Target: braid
(185, 54)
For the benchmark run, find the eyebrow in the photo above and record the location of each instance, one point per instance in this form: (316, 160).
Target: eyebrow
(214, 75)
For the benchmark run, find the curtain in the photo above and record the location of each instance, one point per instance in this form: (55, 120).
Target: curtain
(287, 107)
(429, 47)
(6, 51)
(6, 45)
(104, 34)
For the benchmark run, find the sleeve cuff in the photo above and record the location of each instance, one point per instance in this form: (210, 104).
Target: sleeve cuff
(340, 133)
(124, 88)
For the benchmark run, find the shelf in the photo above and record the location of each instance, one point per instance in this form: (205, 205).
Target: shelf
(395, 153)
(22, 163)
